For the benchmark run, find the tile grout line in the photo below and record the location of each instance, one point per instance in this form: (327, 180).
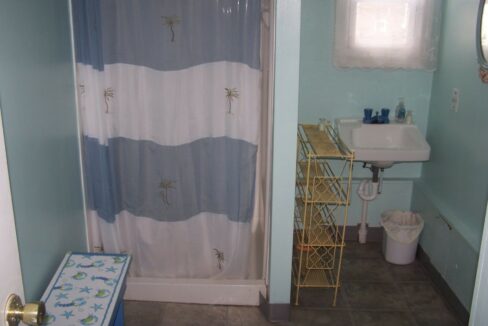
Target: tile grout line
(405, 298)
(446, 302)
(348, 304)
(162, 312)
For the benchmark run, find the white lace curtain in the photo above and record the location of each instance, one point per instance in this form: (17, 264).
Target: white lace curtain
(392, 34)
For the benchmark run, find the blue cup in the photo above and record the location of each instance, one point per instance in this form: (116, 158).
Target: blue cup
(385, 112)
(368, 115)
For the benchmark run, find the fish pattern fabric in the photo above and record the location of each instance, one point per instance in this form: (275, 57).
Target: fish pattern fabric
(86, 289)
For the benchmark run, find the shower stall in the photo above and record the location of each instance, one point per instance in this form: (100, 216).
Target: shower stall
(176, 118)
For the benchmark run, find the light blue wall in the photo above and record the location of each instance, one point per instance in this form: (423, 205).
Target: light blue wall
(452, 256)
(458, 172)
(284, 148)
(38, 107)
(326, 91)
(455, 181)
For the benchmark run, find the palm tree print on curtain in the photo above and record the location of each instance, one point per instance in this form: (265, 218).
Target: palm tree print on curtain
(231, 94)
(171, 22)
(220, 258)
(165, 185)
(108, 94)
(81, 96)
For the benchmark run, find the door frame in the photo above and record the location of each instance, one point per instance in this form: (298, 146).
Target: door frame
(10, 272)
(479, 314)
(79, 127)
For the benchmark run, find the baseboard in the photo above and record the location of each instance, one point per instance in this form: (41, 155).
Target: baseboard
(452, 300)
(274, 312)
(375, 234)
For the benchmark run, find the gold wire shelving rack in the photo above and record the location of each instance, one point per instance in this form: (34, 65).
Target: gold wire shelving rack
(323, 185)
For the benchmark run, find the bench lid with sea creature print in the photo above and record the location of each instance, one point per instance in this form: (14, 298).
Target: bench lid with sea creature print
(86, 289)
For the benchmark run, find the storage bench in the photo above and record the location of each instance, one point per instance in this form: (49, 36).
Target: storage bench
(87, 289)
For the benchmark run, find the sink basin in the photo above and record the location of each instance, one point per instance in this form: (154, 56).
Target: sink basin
(383, 144)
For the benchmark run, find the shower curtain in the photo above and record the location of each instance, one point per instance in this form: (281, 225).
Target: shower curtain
(169, 95)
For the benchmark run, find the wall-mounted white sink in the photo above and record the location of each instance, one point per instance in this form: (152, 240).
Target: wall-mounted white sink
(383, 144)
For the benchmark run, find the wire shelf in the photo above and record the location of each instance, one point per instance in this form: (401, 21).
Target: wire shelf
(323, 183)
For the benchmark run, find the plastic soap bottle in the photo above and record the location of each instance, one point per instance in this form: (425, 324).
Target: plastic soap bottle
(400, 111)
(409, 118)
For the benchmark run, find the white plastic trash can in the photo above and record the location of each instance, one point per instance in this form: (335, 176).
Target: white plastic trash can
(400, 235)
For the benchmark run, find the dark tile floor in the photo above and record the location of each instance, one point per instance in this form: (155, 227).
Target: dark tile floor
(374, 292)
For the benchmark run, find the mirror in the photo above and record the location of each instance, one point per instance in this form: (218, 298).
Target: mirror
(482, 39)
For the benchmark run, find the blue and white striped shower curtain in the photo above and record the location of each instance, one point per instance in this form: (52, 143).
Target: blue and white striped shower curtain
(170, 100)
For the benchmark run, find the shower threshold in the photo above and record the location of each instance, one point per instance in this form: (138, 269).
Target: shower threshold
(203, 291)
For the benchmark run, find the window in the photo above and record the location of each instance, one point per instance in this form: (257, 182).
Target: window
(387, 33)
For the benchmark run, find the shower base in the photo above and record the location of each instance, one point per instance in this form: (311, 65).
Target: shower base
(203, 291)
